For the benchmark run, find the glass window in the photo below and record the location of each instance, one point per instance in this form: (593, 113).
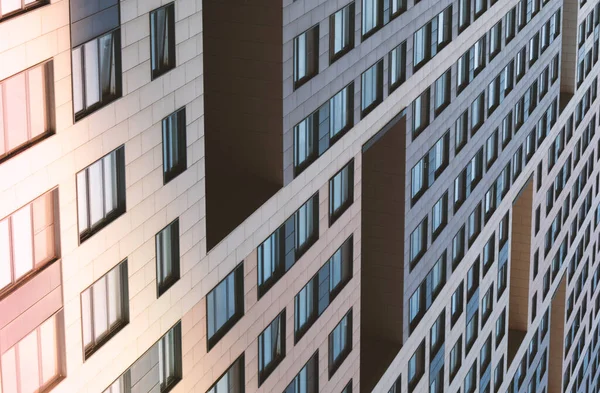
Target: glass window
(371, 16)
(340, 342)
(34, 363)
(439, 215)
(225, 305)
(341, 191)
(455, 358)
(162, 40)
(167, 257)
(12, 7)
(169, 358)
(420, 113)
(104, 308)
(305, 141)
(371, 88)
(340, 108)
(307, 225)
(416, 367)
(464, 14)
(174, 145)
(418, 177)
(306, 56)
(421, 46)
(101, 193)
(456, 304)
(29, 239)
(418, 242)
(271, 347)
(397, 66)
(96, 73)
(341, 31)
(26, 108)
(233, 379)
(307, 380)
(442, 92)
(436, 335)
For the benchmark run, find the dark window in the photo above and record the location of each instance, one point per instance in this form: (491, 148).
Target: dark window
(271, 347)
(456, 304)
(225, 305)
(307, 380)
(371, 88)
(174, 145)
(162, 40)
(101, 193)
(340, 343)
(29, 119)
(397, 66)
(341, 32)
(341, 192)
(416, 367)
(96, 73)
(306, 56)
(167, 257)
(169, 359)
(233, 380)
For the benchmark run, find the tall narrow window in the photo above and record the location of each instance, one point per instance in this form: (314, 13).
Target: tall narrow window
(341, 32)
(442, 92)
(371, 88)
(225, 305)
(420, 113)
(12, 7)
(416, 367)
(307, 225)
(29, 239)
(174, 145)
(307, 380)
(340, 112)
(34, 363)
(167, 257)
(26, 108)
(104, 308)
(169, 359)
(306, 56)
(341, 192)
(397, 66)
(233, 381)
(421, 46)
(340, 343)
(162, 40)
(305, 142)
(96, 73)
(372, 17)
(271, 347)
(101, 193)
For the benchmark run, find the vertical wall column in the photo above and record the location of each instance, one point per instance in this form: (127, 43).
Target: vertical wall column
(568, 55)
(557, 338)
(382, 268)
(520, 257)
(243, 76)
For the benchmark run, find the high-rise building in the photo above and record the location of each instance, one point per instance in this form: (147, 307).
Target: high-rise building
(299, 196)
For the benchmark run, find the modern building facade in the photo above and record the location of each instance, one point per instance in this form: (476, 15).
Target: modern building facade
(299, 196)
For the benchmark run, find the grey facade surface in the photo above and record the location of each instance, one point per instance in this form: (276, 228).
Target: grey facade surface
(368, 195)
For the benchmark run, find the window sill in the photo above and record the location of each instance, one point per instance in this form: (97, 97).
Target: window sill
(219, 334)
(103, 224)
(87, 353)
(264, 374)
(26, 146)
(96, 107)
(24, 11)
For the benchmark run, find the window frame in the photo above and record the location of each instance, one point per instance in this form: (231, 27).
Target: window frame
(275, 360)
(160, 70)
(335, 214)
(334, 364)
(181, 166)
(310, 62)
(334, 56)
(175, 251)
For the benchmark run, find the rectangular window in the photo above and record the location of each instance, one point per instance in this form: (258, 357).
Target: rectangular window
(101, 193)
(174, 145)
(96, 73)
(271, 347)
(341, 32)
(495, 39)
(420, 113)
(461, 132)
(306, 56)
(471, 332)
(436, 335)
(29, 240)
(509, 25)
(371, 88)
(442, 92)
(307, 380)
(225, 305)
(456, 304)
(34, 363)
(26, 108)
(416, 367)
(314, 298)
(416, 307)
(477, 113)
(169, 359)
(233, 381)
(470, 382)
(455, 358)
(341, 192)
(167, 257)
(372, 18)
(9, 8)
(307, 225)
(418, 243)
(104, 308)
(439, 216)
(397, 66)
(464, 14)
(162, 40)
(421, 46)
(340, 343)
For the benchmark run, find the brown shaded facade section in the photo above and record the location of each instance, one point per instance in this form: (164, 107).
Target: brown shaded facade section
(382, 269)
(557, 337)
(243, 76)
(520, 256)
